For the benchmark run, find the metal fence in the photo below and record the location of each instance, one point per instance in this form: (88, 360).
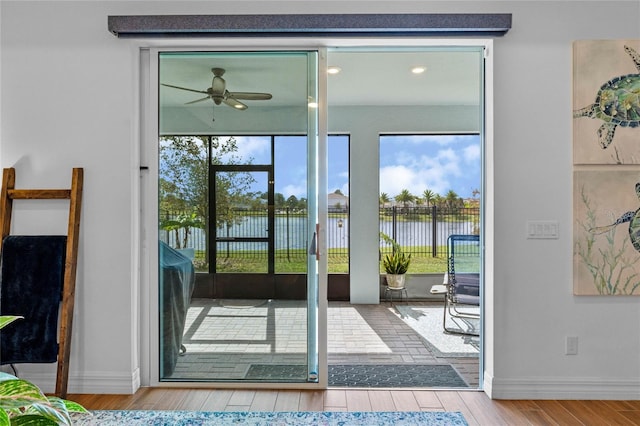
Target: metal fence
(421, 231)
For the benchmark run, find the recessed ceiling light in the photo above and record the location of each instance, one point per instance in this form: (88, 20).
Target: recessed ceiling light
(418, 69)
(334, 70)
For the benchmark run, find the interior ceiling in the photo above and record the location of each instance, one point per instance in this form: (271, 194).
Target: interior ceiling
(368, 78)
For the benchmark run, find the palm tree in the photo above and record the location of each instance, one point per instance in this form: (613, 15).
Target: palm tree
(452, 199)
(384, 199)
(184, 221)
(438, 200)
(428, 196)
(405, 197)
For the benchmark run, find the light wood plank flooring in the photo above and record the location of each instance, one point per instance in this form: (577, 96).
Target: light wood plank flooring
(476, 407)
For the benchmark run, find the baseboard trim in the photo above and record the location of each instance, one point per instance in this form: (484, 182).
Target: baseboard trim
(95, 382)
(586, 388)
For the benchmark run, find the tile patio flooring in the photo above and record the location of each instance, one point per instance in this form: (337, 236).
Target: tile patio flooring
(224, 338)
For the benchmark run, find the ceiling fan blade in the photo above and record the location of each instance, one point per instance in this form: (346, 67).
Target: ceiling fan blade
(250, 96)
(219, 94)
(184, 88)
(197, 100)
(234, 103)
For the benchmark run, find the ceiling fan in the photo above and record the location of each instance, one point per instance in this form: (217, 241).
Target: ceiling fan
(218, 92)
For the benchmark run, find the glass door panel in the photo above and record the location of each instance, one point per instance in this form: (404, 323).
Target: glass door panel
(229, 313)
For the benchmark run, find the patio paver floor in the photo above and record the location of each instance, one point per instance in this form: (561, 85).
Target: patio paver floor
(224, 340)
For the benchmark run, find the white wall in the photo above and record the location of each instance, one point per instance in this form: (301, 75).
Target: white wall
(68, 99)
(535, 308)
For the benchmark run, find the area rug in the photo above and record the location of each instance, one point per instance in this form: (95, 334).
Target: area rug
(369, 375)
(427, 322)
(193, 418)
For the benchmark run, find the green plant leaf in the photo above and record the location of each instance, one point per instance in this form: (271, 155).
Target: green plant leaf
(8, 319)
(19, 393)
(32, 420)
(23, 404)
(54, 410)
(4, 418)
(396, 263)
(66, 406)
(74, 407)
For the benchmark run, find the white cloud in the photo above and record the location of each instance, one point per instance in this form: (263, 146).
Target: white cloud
(449, 162)
(253, 147)
(393, 179)
(298, 190)
(472, 154)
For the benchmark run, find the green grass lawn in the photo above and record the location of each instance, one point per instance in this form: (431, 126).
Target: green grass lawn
(296, 262)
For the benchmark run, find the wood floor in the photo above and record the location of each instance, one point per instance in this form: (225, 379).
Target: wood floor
(476, 407)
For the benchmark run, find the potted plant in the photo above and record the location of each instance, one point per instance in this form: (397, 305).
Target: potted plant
(23, 403)
(395, 264)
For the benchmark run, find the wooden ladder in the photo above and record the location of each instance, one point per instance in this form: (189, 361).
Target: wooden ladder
(74, 195)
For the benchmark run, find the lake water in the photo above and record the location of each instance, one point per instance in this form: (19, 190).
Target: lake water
(291, 232)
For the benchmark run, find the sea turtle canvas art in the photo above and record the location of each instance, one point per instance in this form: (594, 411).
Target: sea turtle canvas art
(617, 103)
(633, 217)
(607, 90)
(606, 252)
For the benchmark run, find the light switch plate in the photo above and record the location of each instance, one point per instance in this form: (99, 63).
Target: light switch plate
(571, 345)
(542, 229)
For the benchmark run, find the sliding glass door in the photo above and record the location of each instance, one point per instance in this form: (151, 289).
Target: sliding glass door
(238, 276)
(245, 163)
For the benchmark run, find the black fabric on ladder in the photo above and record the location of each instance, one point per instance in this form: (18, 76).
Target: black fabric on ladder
(31, 278)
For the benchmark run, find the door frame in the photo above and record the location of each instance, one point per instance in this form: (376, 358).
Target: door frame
(213, 236)
(147, 357)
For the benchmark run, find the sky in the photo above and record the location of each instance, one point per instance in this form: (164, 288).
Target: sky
(415, 162)
(439, 163)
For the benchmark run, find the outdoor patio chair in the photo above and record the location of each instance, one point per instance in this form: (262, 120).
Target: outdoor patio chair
(461, 285)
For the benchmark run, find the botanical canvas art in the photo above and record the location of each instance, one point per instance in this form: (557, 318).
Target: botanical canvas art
(606, 102)
(606, 205)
